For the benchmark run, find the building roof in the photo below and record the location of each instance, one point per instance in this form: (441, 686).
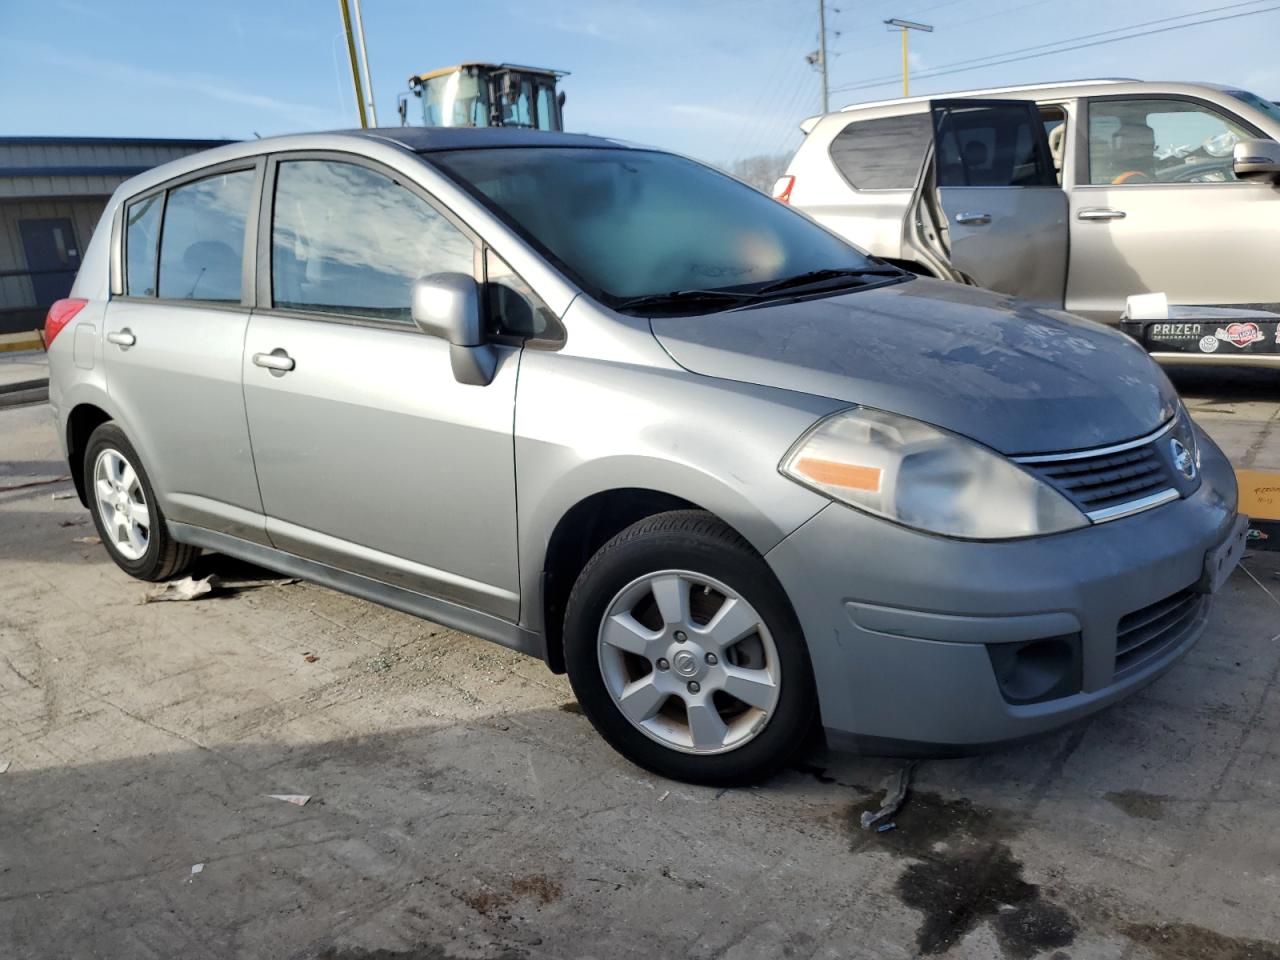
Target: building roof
(46, 167)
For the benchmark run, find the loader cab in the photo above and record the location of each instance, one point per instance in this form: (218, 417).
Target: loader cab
(484, 95)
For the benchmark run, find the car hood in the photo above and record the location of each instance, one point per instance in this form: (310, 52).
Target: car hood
(1017, 379)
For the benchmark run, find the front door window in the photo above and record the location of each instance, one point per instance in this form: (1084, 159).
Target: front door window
(1160, 141)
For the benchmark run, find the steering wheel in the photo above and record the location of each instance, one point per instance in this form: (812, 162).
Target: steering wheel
(1133, 176)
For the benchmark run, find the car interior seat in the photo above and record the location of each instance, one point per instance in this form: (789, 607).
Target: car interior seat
(1133, 153)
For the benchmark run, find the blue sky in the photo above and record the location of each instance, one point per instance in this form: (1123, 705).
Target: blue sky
(720, 79)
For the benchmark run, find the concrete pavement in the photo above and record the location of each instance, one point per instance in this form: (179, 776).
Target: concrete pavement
(463, 808)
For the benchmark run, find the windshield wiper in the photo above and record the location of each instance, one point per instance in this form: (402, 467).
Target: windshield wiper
(690, 298)
(820, 276)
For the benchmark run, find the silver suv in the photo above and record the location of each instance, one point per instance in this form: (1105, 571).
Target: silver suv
(614, 409)
(1076, 195)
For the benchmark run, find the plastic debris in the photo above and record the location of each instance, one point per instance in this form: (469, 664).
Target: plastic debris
(66, 495)
(297, 799)
(895, 792)
(886, 827)
(664, 796)
(91, 538)
(197, 868)
(4, 766)
(187, 588)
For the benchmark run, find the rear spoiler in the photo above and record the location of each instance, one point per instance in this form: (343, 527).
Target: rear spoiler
(809, 123)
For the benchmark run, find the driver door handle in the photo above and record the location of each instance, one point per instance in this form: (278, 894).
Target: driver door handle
(973, 219)
(280, 361)
(1100, 213)
(122, 338)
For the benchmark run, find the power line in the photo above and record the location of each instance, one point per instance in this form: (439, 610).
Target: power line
(1025, 55)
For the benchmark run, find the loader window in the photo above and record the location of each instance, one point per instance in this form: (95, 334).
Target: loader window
(882, 154)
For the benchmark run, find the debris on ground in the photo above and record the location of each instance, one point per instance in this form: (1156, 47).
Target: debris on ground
(4, 766)
(91, 539)
(664, 796)
(886, 827)
(310, 657)
(379, 664)
(197, 868)
(237, 585)
(188, 588)
(895, 792)
(70, 523)
(65, 495)
(36, 483)
(297, 799)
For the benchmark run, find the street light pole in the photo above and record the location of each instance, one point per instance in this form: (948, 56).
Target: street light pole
(822, 51)
(904, 26)
(355, 65)
(364, 57)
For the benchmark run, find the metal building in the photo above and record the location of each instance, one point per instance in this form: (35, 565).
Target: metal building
(52, 191)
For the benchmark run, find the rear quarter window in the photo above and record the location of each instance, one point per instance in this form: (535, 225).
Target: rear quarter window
(882, 154)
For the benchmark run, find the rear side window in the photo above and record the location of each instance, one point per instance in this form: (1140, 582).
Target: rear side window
(348, 240)
(141, 243)
(882, 154)
(203, 239)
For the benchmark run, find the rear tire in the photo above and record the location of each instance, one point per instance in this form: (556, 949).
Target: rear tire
(685, 653)
(126, 512)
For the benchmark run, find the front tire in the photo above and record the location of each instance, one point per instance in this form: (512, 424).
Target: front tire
(685, 653)
(125, 511)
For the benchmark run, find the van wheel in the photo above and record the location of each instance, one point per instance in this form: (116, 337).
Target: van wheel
(685, 654)
(125, 510)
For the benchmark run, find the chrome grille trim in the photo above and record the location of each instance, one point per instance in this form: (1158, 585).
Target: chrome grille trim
(1099, 451)
(1135, 506)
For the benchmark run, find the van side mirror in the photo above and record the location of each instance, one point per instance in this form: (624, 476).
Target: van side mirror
(447, 305)
(1257, 159)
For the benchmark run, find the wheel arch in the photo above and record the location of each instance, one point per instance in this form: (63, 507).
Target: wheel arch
(82, 420)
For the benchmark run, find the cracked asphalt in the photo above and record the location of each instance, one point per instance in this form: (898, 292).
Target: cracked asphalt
(462, 808)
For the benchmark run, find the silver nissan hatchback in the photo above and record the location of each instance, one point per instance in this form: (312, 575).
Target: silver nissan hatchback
(609, 407)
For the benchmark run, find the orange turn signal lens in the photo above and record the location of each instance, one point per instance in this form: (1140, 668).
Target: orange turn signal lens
(833, 473)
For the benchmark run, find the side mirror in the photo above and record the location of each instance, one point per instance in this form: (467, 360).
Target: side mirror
(447, 305)
(1257, 159)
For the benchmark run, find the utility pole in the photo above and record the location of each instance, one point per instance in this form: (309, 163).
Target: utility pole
(904, 26)
(822, 51)
(364, 57)
(355, 65)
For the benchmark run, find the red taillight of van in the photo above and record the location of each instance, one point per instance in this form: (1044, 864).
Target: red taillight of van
(60, 314)
(782, 189)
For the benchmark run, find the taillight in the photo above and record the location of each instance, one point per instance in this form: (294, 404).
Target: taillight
(60, 314)
(782, 189)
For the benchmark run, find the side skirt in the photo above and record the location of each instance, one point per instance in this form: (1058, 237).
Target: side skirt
(444, 612)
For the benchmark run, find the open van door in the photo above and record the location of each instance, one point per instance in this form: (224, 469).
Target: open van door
(988, 209)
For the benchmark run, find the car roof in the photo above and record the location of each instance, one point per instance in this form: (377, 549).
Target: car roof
(428, 139)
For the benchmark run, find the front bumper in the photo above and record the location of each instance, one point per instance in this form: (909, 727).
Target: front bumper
(899, 623)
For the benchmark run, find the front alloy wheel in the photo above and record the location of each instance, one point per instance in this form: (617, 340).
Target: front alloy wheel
(689, 662)
(685, 653)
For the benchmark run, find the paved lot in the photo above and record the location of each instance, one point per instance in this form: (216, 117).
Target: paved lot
(461, 808)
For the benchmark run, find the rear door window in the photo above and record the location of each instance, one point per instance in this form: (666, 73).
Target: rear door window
(141, 244)
(882, 154)
(1160, 141)
(202, 244)
(348, 240)
(991, 144)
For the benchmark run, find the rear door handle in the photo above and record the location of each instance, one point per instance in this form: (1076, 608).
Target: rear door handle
(973, 219)
(122, 338)
(1100, 213)
(277, 361)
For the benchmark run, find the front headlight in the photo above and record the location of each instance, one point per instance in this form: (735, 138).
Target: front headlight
(923, 477)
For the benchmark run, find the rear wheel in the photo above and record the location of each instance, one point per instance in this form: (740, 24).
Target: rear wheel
(685, 654)
(125, 510)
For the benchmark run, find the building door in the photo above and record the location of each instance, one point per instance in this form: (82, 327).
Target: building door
(53, 257)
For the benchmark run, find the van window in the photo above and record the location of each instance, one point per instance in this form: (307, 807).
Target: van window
(348, 240)
(141, 242)
(1160, 141)
(203, 239)
(883, 154)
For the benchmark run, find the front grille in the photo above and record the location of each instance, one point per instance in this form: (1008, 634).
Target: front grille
(1110, 478)
(1144, 634)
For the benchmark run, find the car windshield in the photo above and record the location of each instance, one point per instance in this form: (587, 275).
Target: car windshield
(634, 225)
(1267, 107)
